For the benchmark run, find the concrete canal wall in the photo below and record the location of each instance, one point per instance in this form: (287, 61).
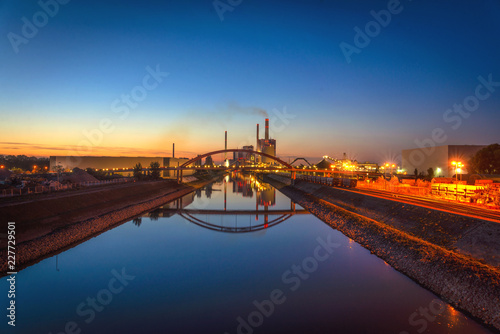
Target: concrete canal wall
(452, 256)
(47, 226)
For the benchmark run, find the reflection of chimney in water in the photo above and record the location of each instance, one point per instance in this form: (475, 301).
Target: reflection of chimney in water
(267, 129)
(257, 146)
(256, 207)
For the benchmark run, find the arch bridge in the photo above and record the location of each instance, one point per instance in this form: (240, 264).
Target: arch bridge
(193, 160)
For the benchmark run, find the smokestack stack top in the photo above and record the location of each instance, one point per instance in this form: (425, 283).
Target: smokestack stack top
(267, 129)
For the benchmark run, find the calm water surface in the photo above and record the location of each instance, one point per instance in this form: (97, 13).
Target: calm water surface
(177, 272)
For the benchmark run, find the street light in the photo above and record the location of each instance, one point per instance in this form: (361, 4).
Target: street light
(458, 168)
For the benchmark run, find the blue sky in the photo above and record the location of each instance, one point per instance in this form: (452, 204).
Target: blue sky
(264, 55)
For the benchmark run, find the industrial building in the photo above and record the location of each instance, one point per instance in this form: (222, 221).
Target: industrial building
(439, 158)
(115, 164)
(244, 158)
(266, 145)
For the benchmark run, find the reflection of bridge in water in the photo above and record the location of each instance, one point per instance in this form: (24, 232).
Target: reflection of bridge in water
(246, 186)
(170, 212)
(236, 228)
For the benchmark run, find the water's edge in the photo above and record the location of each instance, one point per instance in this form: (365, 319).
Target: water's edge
(35, 250)
(466, 284)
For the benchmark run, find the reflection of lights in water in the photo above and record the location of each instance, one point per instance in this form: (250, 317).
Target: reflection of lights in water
(453, 316)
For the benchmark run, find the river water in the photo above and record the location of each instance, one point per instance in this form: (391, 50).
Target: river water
(221, 261)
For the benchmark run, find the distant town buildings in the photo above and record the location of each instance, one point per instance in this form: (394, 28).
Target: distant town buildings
(115, 164)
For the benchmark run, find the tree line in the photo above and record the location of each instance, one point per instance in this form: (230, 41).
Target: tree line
(485, 161)
(154, 171)
(24, 162)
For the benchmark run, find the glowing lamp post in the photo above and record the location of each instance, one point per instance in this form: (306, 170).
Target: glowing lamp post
(458, 168)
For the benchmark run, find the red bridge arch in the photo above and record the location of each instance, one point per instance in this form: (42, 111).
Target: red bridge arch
(189, 162)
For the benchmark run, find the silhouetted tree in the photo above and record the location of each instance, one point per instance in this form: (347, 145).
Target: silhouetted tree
(430, 173)
(137, 221)
(138, 171)
(486, 160)
(154, 215)
(415, 172)
(155, 170)
(99, 174)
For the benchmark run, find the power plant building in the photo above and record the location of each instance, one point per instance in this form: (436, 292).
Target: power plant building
(244, 158)
(266, 145)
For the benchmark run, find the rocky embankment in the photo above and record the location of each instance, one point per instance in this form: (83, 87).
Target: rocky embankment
(47, 226)
(463, 281)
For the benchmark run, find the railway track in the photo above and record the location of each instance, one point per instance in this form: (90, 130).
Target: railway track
(435, 204)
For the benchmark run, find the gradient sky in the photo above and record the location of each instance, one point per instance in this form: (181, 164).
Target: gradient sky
(264, 56)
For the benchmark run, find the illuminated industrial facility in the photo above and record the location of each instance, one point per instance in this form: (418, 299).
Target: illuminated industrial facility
(266, 145)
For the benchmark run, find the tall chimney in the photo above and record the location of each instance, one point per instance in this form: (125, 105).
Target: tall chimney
(267, 129)
(257, 147)
(173, 150)
(225, 145)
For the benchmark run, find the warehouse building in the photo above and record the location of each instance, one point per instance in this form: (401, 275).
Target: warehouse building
(439, 158)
